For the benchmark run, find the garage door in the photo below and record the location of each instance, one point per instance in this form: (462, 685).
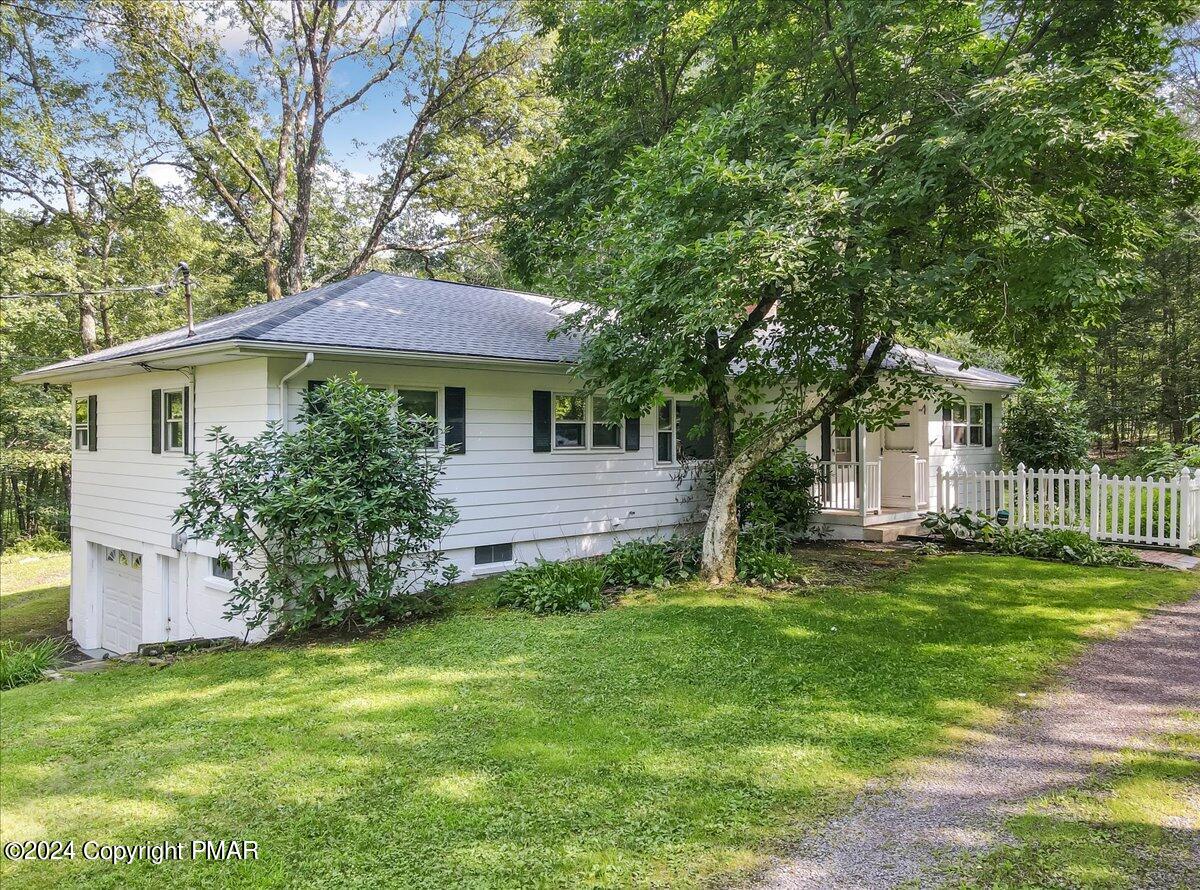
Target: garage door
(121, 600)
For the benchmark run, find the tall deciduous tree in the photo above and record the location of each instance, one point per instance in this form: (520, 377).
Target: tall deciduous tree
(251, 126)
(759, 201)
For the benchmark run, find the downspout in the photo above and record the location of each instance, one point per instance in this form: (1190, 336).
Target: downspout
(283, 399)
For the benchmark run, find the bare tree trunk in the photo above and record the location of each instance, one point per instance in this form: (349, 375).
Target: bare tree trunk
(87, 323)
(271, 277)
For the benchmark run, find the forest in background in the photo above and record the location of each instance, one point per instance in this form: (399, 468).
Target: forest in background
(134, 136)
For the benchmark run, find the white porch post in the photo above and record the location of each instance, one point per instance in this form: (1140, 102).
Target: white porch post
(860, 448)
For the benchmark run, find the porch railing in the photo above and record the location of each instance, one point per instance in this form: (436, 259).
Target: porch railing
(837, 485)
(921, 483)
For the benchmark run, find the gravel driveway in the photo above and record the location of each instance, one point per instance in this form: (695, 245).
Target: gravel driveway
(1118, 695)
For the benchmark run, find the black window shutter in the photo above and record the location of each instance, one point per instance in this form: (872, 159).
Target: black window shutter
(947, 431)
(633, 433)
(156, 421)
(187, 420)
(91, 423)
(826, 439)
(456, 420)
(542, 422)
(987, 424)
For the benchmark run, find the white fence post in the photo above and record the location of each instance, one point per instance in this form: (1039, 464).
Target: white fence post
(1094, 492)
(940, 506)
(1183, 487)
(1021, 492)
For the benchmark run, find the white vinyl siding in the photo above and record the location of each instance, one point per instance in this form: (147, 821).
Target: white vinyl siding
(124, 489)
(961, 456)
(507, 493)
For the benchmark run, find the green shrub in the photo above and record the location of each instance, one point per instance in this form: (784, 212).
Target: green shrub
(959, 526)
(43, 542)
(643, 564)
(22, 663)
(1159, 459)
(685, 552)
(1062, 545)
(928, 548)
(1044, 428)
(335, 523)
(764, 567)
(777, 497)
(551, 587)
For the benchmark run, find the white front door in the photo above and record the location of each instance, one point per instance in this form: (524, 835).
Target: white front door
(898, 475)
(902, 438)
(120, 599)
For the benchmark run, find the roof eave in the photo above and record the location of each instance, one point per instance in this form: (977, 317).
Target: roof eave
(259, 347)
(54, 374)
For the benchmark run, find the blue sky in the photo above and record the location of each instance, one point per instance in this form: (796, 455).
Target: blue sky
(351, 137)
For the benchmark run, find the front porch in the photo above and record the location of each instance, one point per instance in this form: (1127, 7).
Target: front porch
(874, 499)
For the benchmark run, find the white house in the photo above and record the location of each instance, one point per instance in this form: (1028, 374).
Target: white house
(535, 471)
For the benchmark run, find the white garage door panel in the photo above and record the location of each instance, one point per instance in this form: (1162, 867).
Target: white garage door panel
(121, 600)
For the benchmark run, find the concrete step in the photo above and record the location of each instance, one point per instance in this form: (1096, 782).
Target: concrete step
(891, 531)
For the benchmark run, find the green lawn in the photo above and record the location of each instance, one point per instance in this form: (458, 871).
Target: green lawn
(1137, 827)
(673, 739)
(34, 593)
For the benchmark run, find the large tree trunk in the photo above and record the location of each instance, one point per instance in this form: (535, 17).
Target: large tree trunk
(271, 276)
(718, 562)
(87, 323)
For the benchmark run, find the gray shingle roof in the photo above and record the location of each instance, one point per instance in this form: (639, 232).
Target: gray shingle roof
(377, 311)
(401, 314)
(949, 368)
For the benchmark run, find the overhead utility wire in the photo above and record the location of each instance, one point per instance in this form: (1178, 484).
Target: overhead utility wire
(158, 288)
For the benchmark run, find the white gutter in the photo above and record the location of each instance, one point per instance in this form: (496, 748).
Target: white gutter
(309, 358)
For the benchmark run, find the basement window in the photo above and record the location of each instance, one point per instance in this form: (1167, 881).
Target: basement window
(492, 554)
(221, 568)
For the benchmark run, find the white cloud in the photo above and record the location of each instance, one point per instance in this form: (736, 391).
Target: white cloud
(164, 175)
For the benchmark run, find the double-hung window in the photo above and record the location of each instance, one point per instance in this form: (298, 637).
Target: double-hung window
(666, 433)
(422, 406)
(570, 421)
(680, 433)
(82, 424)
(967, 424)
(583, 422)
(605, 433)
(172, 420)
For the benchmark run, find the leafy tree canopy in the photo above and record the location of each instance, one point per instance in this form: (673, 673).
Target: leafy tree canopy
(785, 191)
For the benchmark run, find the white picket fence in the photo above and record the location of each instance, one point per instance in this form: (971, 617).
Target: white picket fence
(1155, 510)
